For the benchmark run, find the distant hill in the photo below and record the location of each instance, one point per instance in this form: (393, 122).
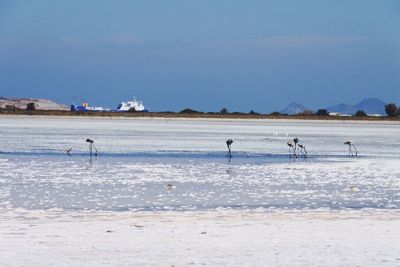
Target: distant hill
(293, 109)
(372, 106)
(41, 104)
(369, 105)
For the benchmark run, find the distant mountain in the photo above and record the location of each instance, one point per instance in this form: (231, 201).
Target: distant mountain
(41, 104)
(293, 109)
(372, 106)
(369, 105)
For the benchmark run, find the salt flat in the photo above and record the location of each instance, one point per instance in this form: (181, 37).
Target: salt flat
(162, 192)
(212, 238)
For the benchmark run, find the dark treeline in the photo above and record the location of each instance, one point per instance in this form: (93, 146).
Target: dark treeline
(391, 110)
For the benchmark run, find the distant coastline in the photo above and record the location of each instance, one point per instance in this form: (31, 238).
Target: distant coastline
(46, 107)
(236, 115)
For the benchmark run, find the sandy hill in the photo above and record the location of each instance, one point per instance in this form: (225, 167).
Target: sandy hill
(41, 104)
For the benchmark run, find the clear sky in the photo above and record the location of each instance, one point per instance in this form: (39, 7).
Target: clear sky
(203, 54)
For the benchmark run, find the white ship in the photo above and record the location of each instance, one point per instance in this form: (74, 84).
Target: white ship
(133, 105)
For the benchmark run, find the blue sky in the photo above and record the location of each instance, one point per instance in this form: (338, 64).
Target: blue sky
(206, 54)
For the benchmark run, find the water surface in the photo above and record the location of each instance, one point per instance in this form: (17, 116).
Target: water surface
(181, 164)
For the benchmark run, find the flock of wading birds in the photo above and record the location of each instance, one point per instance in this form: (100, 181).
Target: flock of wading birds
(295, 148)
(298, 150)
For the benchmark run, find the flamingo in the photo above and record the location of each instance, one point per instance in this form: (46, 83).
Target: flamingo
(303, 150)
(68, 151)
(351, 146)
(228, 144)
(296, 141)
(91, 146)
(291, 149)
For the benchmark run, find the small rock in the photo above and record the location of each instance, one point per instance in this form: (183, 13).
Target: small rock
(353, 188)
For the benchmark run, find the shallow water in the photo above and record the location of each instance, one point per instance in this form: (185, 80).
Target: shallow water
(177, 164)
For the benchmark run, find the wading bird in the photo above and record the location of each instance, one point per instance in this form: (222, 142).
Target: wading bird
(228, 144)
(351, 146)
(295, 141)
(291, 149)
(91, 146)
(303, 150)
(68, 151)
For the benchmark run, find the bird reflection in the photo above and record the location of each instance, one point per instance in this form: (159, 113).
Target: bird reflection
(229, 169)
(91, 163)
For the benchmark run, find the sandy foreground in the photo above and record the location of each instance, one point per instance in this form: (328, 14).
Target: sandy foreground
(209, 238)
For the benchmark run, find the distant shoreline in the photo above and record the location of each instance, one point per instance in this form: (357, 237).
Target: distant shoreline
(189, 115)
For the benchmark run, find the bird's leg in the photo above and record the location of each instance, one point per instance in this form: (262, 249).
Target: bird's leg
(350, 152)
(305, 152)
(90, 149)
(229, 151)
(95, 149)
(355, 150)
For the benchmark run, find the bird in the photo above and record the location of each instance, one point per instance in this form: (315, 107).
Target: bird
(351, 146)
(303, 150)
(91, 146)
(68, 151)
(228, 144)
(291, 149)
(295, 141)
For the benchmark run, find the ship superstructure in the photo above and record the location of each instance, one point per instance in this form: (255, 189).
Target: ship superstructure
(133, 105)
